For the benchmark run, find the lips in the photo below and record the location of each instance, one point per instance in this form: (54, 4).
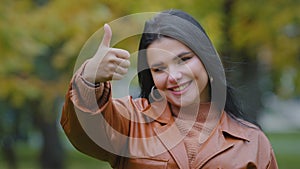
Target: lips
(180, 88)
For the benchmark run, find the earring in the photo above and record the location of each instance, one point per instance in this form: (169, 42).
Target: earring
(211, 79)
(155, 94)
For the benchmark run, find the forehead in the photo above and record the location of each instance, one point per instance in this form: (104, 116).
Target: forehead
(165, 48)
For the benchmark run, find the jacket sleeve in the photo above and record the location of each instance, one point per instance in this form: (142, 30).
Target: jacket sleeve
(266, 153)
(84, 106)
(273, 162)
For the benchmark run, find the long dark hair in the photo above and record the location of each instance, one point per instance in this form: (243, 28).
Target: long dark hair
(181, 26)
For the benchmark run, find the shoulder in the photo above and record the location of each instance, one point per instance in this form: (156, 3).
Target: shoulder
(244, 129)
(139, 104)
(250, 142)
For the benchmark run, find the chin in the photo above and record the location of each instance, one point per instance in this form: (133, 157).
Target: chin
(184, 102)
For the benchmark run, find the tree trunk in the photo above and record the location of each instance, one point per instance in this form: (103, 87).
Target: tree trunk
(9, 153)
(52, 152)
(241, 68)
(52, 155)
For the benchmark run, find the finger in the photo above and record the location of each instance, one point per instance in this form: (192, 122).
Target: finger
(121, 70)
(121, 53)
(117, 76)
(107, 36)
(125, 63)
(121, 62)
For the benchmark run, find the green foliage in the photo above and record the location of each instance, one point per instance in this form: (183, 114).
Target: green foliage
(40, 40)
(39, 45)
(271, 31)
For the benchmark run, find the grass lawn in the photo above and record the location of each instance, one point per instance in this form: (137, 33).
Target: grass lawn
(77, 160)
(28, 159)
(286, 147)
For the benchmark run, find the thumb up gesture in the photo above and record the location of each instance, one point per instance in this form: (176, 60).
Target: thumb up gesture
(108, 63)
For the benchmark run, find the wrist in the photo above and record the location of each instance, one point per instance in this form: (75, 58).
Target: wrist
(96, 84)
(86, 79)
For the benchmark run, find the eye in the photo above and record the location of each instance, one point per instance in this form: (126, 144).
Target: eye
(186, 58)
(183, 59)
(158, 69)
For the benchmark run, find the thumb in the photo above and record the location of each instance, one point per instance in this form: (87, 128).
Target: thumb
(107, 36)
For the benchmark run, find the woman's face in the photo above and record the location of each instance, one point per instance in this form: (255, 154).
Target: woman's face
(177, 72)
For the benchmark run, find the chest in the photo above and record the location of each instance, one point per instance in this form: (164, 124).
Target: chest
(163, 148)
(227, 159)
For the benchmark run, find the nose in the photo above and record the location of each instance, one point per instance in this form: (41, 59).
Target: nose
(174, 76)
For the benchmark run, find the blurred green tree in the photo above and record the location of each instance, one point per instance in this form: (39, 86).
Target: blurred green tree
(263, 38)
(39, 43)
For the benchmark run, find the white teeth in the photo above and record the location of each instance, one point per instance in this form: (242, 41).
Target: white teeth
(180, 88)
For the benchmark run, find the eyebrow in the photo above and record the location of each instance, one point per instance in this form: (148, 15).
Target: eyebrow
(175, 58)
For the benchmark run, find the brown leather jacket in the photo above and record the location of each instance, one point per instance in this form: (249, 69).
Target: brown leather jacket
(138, 136)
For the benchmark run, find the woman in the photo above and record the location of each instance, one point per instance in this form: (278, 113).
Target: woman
(186, 116)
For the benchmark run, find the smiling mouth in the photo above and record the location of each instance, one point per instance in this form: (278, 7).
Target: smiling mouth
(181, 87)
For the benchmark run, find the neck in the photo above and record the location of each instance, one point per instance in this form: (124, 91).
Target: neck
(205, 95)
(196, 111)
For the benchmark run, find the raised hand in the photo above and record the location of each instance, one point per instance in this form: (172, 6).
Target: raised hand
(108, 63)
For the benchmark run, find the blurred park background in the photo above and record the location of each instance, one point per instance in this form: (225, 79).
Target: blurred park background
(259, 41)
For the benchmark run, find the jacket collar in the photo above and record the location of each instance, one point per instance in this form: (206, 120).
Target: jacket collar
(160, 112)
(217, 142)
(235, 128)
(171, 137)
(168, 132)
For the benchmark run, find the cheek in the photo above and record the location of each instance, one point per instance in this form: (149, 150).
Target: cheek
(159, 80)
(199, 72)
(202, 80)
(201, 75)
